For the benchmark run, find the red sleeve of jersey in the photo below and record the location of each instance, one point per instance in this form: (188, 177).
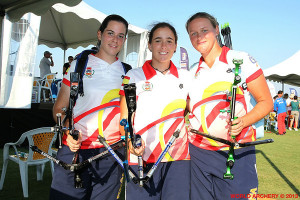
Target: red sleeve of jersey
(122, 93)
(254, 76)
(66, 82)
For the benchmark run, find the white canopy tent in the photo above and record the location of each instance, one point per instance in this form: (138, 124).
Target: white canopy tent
(15, 9)
(70, 27)
(286, 72)
(65, 27)
(15, 79)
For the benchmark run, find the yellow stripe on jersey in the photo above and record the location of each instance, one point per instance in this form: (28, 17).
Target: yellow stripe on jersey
(171, 107)
(253, 138)
(209, 91)
(109, 96)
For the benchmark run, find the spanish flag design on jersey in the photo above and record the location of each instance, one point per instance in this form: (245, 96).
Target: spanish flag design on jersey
(161, 101)
(211, 93)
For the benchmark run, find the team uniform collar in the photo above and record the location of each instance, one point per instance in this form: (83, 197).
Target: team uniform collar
(150, 72)
(106, 63)
(222, 58)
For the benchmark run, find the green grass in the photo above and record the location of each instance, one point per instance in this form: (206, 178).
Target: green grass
(278, 167)
(12, 188)
(278, 164)
(37, 190)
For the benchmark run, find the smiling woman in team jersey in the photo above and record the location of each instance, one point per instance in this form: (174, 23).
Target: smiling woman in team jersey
(209, 95)
(161, 91)
(96, 113)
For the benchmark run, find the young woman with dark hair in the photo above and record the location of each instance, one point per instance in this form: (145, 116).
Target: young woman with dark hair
(161, 91)
(101, 84)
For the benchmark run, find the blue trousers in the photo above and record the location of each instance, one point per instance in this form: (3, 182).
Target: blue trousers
(170, 181)
(208, 168)
(101, 179)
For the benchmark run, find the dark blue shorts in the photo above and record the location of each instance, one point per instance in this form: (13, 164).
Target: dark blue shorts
(101, 179)
(208, 168)
(170, 181)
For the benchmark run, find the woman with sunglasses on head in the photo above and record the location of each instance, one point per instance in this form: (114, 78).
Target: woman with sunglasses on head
(209, 98)
(161, 91)
(94, 116)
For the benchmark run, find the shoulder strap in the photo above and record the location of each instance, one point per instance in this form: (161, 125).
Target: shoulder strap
(126, 67)
(81, 62)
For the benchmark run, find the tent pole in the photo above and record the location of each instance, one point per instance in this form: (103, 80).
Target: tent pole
(282, 87)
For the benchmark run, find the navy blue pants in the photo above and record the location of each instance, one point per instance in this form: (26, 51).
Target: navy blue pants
(101, 179)
(170, 181)
(208, 168)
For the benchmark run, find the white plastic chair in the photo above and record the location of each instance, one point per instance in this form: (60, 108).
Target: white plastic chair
(43, 85)
(46, 85)
(43, 138)
(54, 154)
(48, 77)
(36, 91)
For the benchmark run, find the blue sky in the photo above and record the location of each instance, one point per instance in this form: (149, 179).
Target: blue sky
(267, 30)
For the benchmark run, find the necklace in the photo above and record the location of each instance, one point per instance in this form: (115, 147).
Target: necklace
(159, 70)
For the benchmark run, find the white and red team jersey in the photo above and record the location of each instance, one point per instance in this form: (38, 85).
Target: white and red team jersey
(98, 111)
(161, 101)
(209, 94)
